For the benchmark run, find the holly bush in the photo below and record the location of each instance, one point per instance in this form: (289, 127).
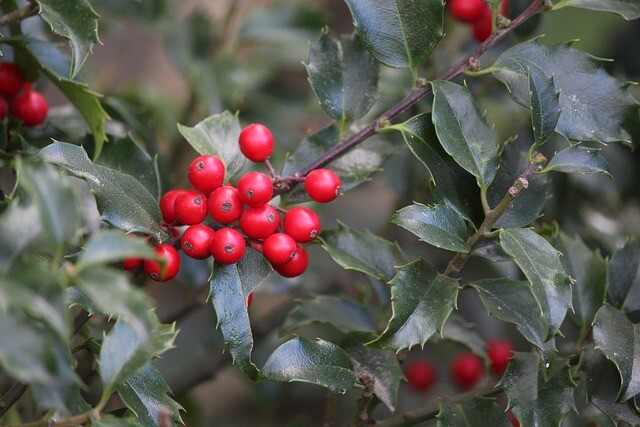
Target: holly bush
(493, 264)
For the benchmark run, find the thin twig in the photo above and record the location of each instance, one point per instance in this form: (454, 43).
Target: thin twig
(18, 15)
(362, 413)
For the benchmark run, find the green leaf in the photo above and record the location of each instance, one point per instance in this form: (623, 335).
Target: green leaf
(344, 314)
(540, 262)
(544, 102)
(595, 106)
(476, 412)
(362, 251)
(112, 421)
(438, 225)
(464, 132)
(76, 21)
(458, 330)
(145, 394)
(421, 301)
(217, 134)
(230, 286)
(113, 245)
(578, 160)
(122, 200)
(619, 340)
(399, 33)
(316, 362)
(623, 277)
(343, 76)
(628, 9)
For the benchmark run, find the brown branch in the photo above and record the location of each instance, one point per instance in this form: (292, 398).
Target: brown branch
(18, 15)
(362, 412)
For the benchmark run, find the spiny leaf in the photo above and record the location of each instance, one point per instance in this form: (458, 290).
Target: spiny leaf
(545, 103)
(476, 412)
(623, 277)
(113, 245)
(578, 160)
(628, 9)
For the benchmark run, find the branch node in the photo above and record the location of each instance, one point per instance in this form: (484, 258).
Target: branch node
(503, 22)
(421, 82)
(522, 182)
(382, 123)
(474, 64)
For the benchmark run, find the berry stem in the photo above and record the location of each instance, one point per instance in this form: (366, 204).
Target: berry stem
(272, 171)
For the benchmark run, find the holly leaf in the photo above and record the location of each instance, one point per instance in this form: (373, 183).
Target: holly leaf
(230, 287)
(399, 33)
(458, 330)
(112, 245)
(315, 362)
(111, 421)
(464, 132)
(628, 9)
(217, 134)
(578, 160)
(544, 103)
(476, 412)
(623, 277)
(122, 201)
(421, 301)
(438, 225)
(20, 231)
(343, 76)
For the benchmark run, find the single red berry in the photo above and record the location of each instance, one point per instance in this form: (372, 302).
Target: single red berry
(514, 420)
(249, 300)
(168, 268)
(11, 79)
(4, 108)
(190, 207)
(225, 205)
(279, 248)
(296, 266)
(256, 142)
(206, 173)
(196, 241)
(322, 185)
(167, 203)
(260, 222)
(227, 246)
(499, 352)
(302, 224)
(482, 28)
(255, 189)
(467, 10)
(421, 375)
(466, 369)
(504, 8)
(30, 107)
(131, 263)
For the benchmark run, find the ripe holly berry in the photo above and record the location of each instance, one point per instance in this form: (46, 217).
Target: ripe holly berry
(11, 79)
(279, 248)
(260, 222)
(421, 375)
(296, 266)
(255, 189)
(256, 142)
(227, 246)
(467, 10)
(131, 263)
(225, 205)
(249, 300)
(302, 224)
(499, 352)
(322, 185)
(206, 173)
(482, 28)
(167, 203)
(514, 420)
(466, 369)
(30, 107)
(4, 108)
(190, 207)
(196, 241)
(166, 270)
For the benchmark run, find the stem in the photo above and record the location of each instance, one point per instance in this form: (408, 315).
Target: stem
(18, 15)
(362, 413)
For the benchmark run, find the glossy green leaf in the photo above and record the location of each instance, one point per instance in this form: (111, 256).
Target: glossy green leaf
(316, 362)
(623, 277)
(538, 393)
(113, 245)
(458, 330)
(76, 21)
(438, 225)
(540, 262)
(343, 76)
(122, 200)
(464, 132)
(421, 301)
(399, 33)
(578, 160)
(230, 286)
(362, 251)
(629, 9)
(217, 134)
(544, 103)
(595, 106)
(476, 412)
(112, 421)
(490, 248)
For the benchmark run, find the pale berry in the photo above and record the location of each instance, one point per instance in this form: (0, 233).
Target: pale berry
(206, 173)
(164, 270)
(191, 207)
(196, 241)
(255, 189)
(322, 185)
(227, 246)
(225, 205)
(256, 142)
(279, 248)
(302, 224)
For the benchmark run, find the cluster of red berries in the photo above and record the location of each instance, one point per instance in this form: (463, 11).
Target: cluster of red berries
(477, 13)
(241, 216)
(25, 104)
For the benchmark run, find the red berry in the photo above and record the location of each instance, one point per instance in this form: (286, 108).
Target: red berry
(499, 352)
(260, 222)
(11, 79)
(225, 205)
(255, 189)
(515, 422)
(504, 8)
(206, 173)
(322, 185)
(167, 203)
(196, 241)
(467, 10)
(30, 107)
(296, 266)
(227, 246)
(302, 224)
(131, 263)
(4, 108)
(482, 28)
(249, 300)
(256, 142)
(190, 207)
(466, 369)
(279, 248)
(166, 270)
(420, 374)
